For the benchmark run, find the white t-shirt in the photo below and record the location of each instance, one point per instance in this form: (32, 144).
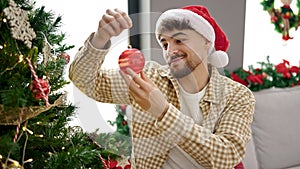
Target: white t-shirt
(189, 103)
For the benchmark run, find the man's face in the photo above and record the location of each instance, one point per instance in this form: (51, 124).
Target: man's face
(184, 50)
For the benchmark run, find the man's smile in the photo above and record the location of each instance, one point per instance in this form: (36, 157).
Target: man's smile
(176, 59)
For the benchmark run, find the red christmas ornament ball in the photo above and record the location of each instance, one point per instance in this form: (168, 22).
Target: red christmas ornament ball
(132, 58)
(65, 56)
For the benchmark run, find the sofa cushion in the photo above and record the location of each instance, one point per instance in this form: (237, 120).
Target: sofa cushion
(250, 159)
(276, 128)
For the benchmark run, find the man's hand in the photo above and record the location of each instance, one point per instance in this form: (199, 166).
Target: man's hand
(113, 22)
(145, 93)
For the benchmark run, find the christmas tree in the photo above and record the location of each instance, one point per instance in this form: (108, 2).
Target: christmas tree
(34, 112)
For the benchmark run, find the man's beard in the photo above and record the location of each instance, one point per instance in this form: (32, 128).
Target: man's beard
(188, 68)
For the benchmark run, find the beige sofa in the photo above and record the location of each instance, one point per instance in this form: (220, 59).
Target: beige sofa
(275, 140)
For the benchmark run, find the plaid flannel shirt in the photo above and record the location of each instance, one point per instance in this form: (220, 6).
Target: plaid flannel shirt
(218, 143)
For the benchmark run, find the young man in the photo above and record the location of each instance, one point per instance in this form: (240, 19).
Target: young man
(185, 114)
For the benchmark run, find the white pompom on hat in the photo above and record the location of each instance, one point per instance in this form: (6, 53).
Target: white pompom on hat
(202, 22)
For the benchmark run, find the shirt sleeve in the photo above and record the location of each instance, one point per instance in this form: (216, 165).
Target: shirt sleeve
(222, 148)
(103, 85)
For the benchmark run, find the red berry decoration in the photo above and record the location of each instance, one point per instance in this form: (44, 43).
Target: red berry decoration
(132, 58)
(123, 107)
(34, 87)
(274, 19)
(124, 123)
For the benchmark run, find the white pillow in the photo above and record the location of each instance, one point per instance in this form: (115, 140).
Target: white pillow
(276, 128)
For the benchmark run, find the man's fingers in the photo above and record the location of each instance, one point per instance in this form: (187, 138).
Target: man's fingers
(145, 77)
(109, 25)
(127, 19)
(139, 81)
(121, 17)
(112, 23)
(110, 19)
(105, 28)
(114, 13)
(142, 81)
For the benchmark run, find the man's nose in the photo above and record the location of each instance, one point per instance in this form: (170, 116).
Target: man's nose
(172, 50)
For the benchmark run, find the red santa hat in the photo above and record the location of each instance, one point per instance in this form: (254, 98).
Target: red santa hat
(202, 22)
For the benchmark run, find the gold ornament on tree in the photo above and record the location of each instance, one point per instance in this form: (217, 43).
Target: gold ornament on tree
(10, 115)
(20, 26)
(10, 164)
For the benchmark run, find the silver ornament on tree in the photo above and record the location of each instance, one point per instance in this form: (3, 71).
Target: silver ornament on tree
(46, 51)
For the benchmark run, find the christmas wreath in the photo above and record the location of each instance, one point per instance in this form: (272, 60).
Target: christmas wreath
(283, 18)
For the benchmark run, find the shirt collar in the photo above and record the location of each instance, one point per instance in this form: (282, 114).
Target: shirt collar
(216, 86)
(164, 71)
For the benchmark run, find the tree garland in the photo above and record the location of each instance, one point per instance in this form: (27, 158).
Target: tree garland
(283, 18)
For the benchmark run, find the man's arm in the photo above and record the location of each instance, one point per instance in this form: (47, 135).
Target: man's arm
(85, 71)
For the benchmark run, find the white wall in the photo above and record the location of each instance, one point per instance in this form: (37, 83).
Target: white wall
(79, 19)
(261, 40)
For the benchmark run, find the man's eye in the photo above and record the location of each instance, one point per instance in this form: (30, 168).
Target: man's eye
(179, 40)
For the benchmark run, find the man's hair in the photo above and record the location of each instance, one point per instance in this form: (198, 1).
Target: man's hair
(173, 24)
